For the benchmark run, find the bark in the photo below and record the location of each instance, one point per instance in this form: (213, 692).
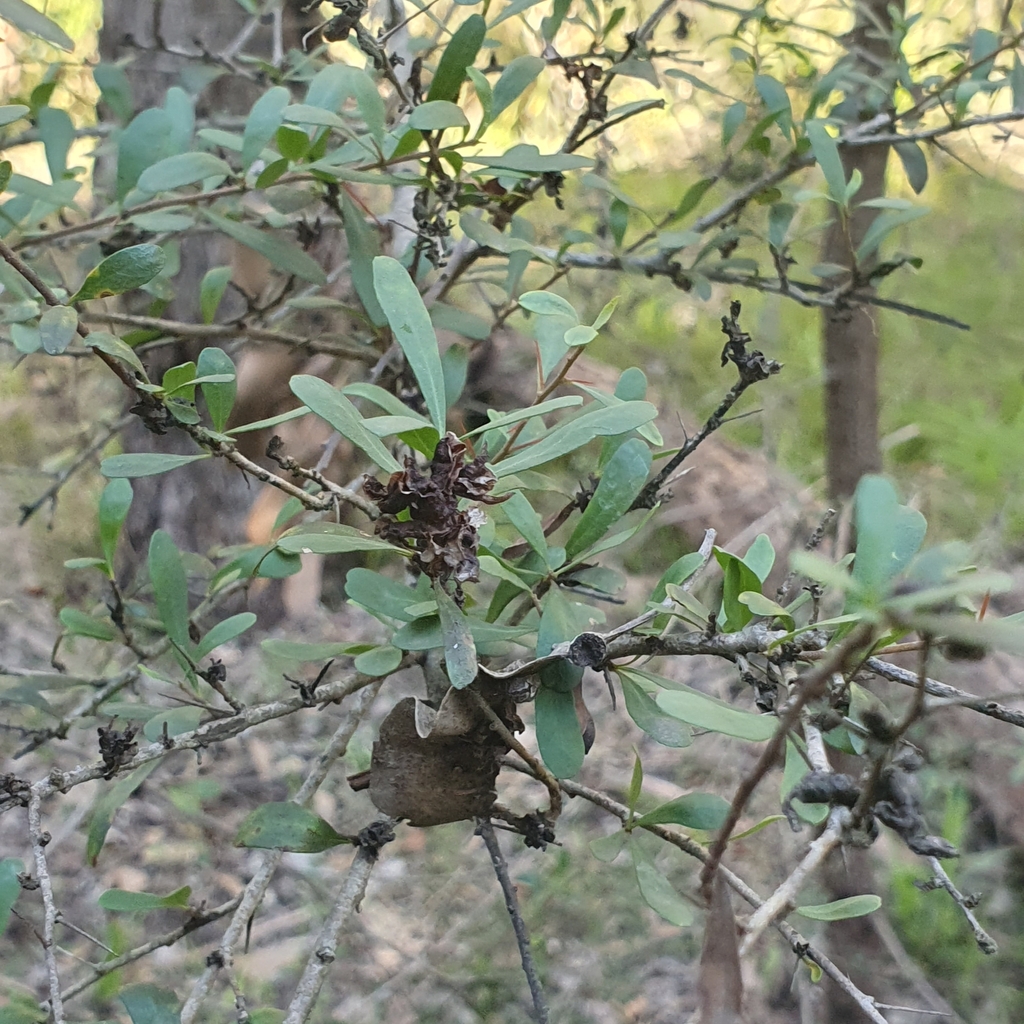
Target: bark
(850, 346)
(850, 337)
(171, 42)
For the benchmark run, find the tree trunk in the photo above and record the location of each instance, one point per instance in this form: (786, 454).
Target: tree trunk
(850, 346)
(850, 336)
(172, 42)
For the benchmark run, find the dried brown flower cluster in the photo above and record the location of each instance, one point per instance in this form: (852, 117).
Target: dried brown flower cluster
(445, 537)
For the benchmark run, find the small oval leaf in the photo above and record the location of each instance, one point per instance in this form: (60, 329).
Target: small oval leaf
(287, 826)
(122, 271)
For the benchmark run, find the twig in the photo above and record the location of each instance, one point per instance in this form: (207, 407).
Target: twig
(753, 639)
(941, 880)
(180, 329)
(198, 919)
(550, 782)
(812, 683)
(807, 293)
(212, 732)
(485, 830)
(812, 542)
(51, 492)
(317, 503)
(752, 368)
(961, 698)
(39, 840)
(83, 710)
(781, 901)
(324, 952)
(803, 949)
(256, 889)
(927, 134)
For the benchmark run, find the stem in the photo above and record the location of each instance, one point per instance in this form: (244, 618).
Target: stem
(485, 830)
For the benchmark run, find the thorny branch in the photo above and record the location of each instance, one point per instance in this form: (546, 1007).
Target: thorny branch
(179, 329)
(780, 901)
(811, 685)
(753, 367)
(256, 889)
(349, 897)
(941, 880)
(196, 920)
(485, 830)
(803, 949)
(39, 841)
(215, 731)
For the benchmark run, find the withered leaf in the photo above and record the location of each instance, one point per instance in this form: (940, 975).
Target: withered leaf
(445, 538)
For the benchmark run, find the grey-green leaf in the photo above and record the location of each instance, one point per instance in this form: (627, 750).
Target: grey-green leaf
(363, 248)
(287, 826)
(123, 901)
(147, 1004)
(263, 121)
(143, 143)
(106, 807)
(882, 527)
(57, 328)
(26, 18)
(104, 341)
(379, 595)
(411, 326)
(122, 271)
(548, 304)
(332, 85)
(700, 710)
(437, 115)
(220, 395)
(841, 910)
(661, 727)
(115, 501)
(211, 291)
(622, 480)
(607, 848)
(915, 164)
(657, 891)
(826, 152)
(518, 415)
(558, 732)
(330, 539)
(331, 405)
(459, 649)
(522, 515)
(704, 811)
(381, 661)
(145, 464)
(170, 587)
(10, 888)
(513, 81)
(58, 133)
(567, 437)
(283, 255)
(224, 631)
(458, 55)
(79, 624)
(182, 169)
(12, 112)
